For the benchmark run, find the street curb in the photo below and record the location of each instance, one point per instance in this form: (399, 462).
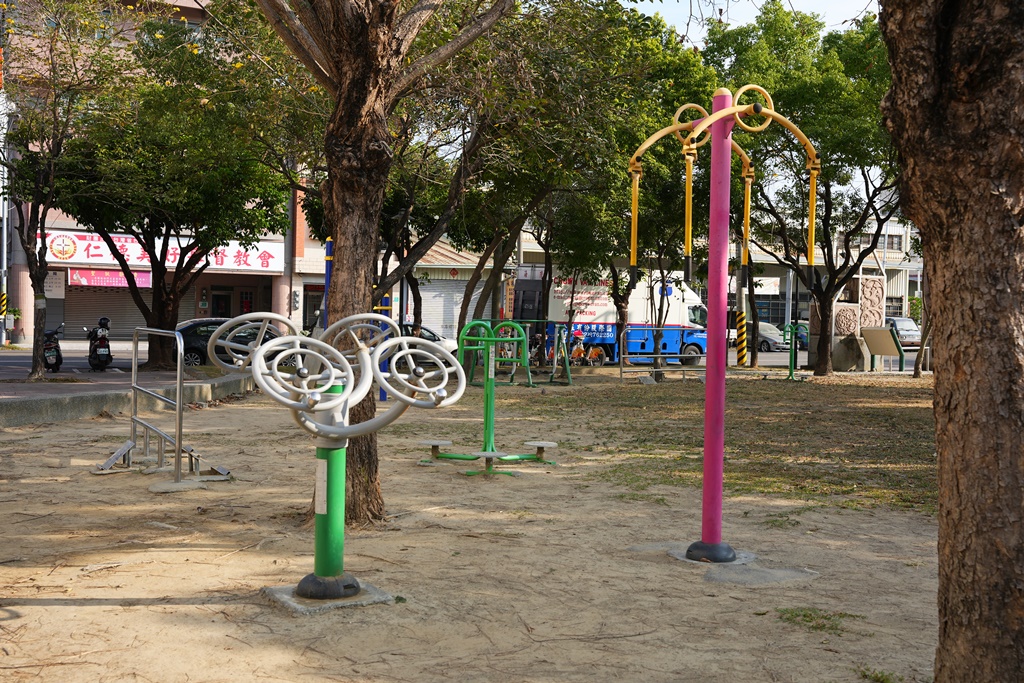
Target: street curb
(45, 409)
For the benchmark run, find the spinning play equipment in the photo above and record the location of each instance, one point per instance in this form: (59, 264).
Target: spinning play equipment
(319, 380)
(479, 337)
(717, 128)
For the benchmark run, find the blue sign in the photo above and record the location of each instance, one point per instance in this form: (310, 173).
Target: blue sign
(666, 291)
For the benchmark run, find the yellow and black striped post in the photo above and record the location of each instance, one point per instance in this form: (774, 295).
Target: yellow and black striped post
(741, 338)
(3, 304)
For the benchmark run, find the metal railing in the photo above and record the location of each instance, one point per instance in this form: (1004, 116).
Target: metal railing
(626, 365)
(176, 403)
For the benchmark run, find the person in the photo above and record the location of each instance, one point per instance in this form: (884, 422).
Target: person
(415, 331)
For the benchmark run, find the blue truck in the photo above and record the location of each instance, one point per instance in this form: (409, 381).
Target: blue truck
(684, 332)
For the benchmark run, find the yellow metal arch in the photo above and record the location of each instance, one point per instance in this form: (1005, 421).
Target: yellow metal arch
(690, 144)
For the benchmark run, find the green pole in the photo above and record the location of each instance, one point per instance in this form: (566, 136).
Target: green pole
(329, 580)
(489, 397)
(329, 528)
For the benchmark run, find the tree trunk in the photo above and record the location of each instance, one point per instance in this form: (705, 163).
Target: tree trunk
(823, 363)
(417, 298)
(358, 161)
(956, 116)
(38, 370)
(501, 256)
(474, 278)
(163, 315)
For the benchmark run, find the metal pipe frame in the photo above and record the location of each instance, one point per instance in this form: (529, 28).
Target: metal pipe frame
(178, 394)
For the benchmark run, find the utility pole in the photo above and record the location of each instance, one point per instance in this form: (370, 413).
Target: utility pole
(4, 231)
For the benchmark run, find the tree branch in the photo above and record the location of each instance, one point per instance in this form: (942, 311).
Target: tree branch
(299, 41)
(477, 28)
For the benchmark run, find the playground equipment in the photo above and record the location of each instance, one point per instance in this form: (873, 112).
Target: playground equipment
(505, 335)
(319, 380)
(716, 128)
(150, 430)
(790, 334)
(560, 357)
(479, 337)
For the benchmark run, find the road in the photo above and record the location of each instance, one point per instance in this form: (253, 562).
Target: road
(75, 354)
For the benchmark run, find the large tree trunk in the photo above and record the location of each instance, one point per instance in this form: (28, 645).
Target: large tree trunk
(358, 160)
(162, 315)
(956, 115)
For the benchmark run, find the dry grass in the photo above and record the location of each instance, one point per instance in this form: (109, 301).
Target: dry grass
(848, 440)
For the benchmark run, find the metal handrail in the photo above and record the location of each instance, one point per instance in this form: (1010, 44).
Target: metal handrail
(178, 394)
(624, 355)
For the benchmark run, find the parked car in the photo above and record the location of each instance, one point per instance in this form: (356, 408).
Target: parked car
(196, 335)
(801, 339)
(770, 338)
(449, 345)
(907, 331)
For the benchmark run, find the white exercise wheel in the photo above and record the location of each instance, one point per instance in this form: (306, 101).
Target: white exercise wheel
(239, 337)
(419, 367)
(306, 385)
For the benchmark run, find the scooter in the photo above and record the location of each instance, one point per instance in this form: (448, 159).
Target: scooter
(99, 345)
(52, 357)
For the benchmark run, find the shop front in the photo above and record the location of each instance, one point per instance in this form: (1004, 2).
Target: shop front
(85, 282)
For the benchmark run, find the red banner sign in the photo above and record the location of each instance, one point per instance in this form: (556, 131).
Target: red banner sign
(107, 278)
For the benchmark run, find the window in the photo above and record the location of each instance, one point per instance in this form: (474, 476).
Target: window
(888, 242)
(698, 315)
(893, 306)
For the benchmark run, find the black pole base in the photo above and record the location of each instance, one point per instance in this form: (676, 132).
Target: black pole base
(316, 587)
(710, 552)
(687, 269)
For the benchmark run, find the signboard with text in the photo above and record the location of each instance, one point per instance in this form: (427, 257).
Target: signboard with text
(107, 278)
(74, 248)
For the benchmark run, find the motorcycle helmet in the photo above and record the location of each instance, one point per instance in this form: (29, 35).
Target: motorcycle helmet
(103, 322)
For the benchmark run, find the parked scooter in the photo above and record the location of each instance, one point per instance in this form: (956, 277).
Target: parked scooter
(99, 345)
(52, 357)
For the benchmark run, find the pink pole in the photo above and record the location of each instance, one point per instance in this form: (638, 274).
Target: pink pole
(710, 547)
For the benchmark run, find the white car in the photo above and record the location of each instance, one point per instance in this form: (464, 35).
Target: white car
(449, 345)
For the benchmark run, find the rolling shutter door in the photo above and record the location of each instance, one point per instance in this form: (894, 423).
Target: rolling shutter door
(442, 302)
(83, 306)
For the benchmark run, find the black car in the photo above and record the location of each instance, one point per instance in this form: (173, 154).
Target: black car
(196, 335)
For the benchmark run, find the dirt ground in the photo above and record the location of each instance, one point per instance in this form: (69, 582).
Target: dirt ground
(553, 575)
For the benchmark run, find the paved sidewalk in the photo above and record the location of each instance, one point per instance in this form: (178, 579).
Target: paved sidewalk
(70, 395)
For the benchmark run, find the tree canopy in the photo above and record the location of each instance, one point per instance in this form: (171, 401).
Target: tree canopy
(171, 162)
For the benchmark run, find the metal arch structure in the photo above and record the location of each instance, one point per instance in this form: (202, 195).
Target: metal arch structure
(716, 129)
(320, 383)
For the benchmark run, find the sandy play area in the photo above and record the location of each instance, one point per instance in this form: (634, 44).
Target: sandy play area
(554, 575)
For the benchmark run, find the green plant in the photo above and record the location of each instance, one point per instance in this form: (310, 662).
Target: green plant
(878, 676)
(814, 619)
(915, 308)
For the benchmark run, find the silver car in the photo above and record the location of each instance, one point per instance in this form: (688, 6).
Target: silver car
(770, 338)
(907, 331)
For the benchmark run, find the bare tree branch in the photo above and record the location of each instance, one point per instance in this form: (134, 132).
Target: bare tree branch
(299, 41)
(480, 25)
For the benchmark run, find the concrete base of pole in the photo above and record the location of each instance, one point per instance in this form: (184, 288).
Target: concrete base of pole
(710, 552)
(285, 597)
(315, 587)
(176, 486)
(741, 557)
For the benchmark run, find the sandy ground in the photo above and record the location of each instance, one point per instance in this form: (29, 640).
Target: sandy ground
(548, 576)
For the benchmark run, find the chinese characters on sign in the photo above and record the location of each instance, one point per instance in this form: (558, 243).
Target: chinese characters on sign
(107, 278)
(87, 249)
